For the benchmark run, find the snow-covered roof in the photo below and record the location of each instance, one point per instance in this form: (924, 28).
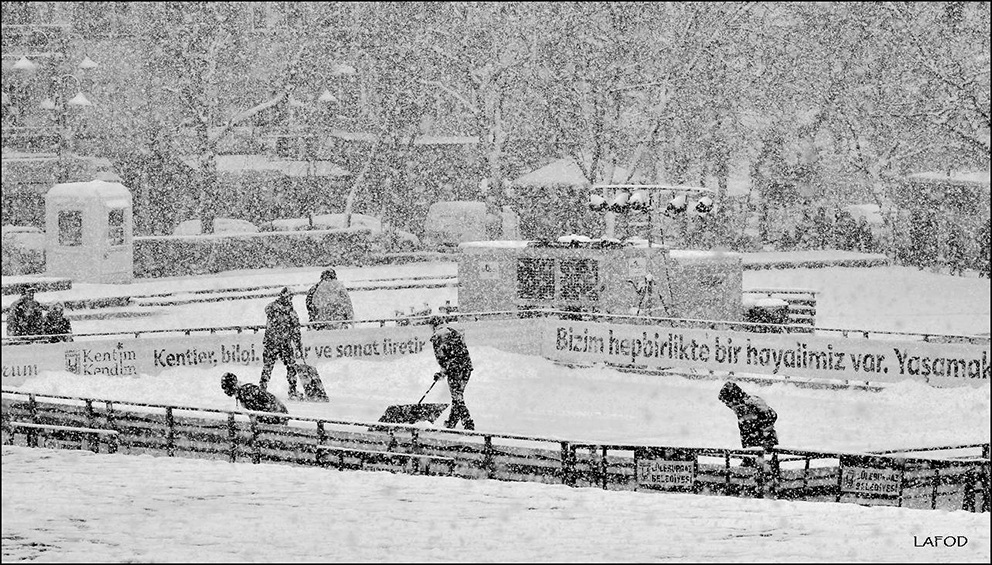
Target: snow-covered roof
(420, 139)
(106, 191)
(567, 171)
(260, 162)
(960, 177)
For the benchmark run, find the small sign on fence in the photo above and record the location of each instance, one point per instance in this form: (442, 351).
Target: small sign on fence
(665, 469)
(873, 481)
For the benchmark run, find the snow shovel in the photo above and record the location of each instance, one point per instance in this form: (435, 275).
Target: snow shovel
(413, 413)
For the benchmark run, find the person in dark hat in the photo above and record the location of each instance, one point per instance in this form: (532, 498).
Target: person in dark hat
(57, 326)
(251, 397)
(456, 366)
(328, 303)
(25, 318)
(755, 419)
(281, 340)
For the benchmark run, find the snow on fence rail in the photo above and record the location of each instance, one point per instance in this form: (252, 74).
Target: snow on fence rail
(185, 431)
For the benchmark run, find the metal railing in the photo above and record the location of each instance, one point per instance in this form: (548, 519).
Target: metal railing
(776, 473)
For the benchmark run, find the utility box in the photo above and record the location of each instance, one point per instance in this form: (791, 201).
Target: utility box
(599, 276)
(89, 232)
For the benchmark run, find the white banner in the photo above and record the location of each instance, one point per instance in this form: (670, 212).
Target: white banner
(796, 355)
(151, 354)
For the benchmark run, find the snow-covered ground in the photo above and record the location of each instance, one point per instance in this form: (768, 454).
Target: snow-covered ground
(74, 506)
(116, 508)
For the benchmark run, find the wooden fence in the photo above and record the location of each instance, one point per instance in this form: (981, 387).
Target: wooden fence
(106, 426)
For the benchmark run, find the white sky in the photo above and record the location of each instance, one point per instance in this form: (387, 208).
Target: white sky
(76, 506)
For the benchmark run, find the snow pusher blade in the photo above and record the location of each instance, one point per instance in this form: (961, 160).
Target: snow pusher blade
(413, 413)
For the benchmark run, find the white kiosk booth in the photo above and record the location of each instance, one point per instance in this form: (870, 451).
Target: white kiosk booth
(89, 232)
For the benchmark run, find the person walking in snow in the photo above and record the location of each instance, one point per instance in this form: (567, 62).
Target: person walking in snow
(328, 303)
(251, 397)
(456, 366)
(755, 419)
(281, 340)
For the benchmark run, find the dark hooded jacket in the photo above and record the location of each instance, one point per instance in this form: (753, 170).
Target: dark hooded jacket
(282, 325)
(250, 397)
(755, 419)
(57, 325)
(328, 301)
(25, 317)
(451, 352)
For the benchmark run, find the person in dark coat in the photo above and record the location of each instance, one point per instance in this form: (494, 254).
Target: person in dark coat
(57, 326)
(982, 262)
(251, 397)
(25, 317)
(755, 419)
(281, 340)
(456, 365)
(957, 253)
(328, 303)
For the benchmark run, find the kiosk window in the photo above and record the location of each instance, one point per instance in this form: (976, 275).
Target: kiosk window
(115, 227)
(70, 228)
(579, 279)
(536, 279)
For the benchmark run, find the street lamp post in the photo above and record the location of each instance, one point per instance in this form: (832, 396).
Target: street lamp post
(61, 105)
(62, 119)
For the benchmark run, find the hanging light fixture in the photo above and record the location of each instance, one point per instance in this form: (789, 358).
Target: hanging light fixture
(25, 64)
(47, 104)
(88, 63)
(79, 100)
(326, 96)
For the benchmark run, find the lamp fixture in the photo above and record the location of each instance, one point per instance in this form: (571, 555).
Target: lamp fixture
(88, 63)
(79, 100)
(25, 64)
(326, 96)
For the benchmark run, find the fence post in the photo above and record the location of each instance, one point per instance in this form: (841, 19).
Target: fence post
(94, 439)
(232, 437)
(775, 472)
(902, 480)
(567, 464)
(112, 425)
(256, 455)
(321, 438)
(726, 472)
(603, 468)
(170, 432)
(761, 477)
(936, 485)
(840, 480)
(33, 408)
(968, 504)
(488, 463)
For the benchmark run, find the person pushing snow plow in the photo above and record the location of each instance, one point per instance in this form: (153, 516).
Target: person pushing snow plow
(281, 340)
(251, 397)
(456, 365)
(755, 419)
